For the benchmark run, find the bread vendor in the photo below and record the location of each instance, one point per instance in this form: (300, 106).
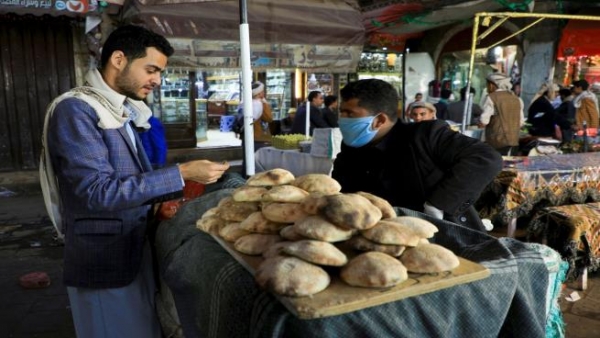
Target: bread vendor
(422, 166)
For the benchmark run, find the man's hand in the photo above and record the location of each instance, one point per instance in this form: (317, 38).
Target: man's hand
(203, 171)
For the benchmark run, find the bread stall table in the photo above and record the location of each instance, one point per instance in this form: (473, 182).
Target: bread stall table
(527, 184)
(215, 296)
(293, 160)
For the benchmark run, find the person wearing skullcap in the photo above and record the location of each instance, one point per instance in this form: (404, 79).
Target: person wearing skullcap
(422, 111)
(502, 115)
(262, 116)
(541, 114)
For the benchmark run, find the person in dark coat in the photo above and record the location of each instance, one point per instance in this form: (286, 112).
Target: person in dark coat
(542, 116)
(441, 106)
(316, 116)
(423, 166)
(566, 110)
(330, 114)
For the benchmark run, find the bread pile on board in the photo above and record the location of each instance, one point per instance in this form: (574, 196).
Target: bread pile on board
(298, 223)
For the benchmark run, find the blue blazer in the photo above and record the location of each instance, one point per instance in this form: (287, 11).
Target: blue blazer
(107, 188)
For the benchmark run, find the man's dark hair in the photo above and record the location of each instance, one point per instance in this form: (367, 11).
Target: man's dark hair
(463, 93)
(374, 95)
(445, 94)
(312, 95)
(133, 41)
(581, 83)
(329, 99)
(564, 92)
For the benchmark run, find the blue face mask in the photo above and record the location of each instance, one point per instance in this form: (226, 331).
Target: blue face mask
(356, 132)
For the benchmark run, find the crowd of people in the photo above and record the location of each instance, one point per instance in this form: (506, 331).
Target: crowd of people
(556, 112)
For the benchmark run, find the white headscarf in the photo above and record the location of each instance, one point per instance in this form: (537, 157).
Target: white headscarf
(502, 81)
(545, 87)
(257, 88)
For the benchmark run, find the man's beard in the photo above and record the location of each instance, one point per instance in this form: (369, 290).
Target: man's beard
(127, 86)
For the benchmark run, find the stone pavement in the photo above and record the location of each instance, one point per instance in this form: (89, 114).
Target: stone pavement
(27, 245)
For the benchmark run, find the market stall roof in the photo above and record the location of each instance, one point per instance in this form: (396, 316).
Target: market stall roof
(390, 24)
(579, 38)
(313, 34)
(428, 18)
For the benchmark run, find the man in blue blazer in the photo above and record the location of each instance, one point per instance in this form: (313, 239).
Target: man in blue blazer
(107, 186)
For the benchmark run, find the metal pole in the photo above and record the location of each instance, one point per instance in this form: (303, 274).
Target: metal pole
(405, 98)
(463, 126)
(246, 88)
(307, 120)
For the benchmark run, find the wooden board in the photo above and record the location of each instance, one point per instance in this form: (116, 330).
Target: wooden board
(340, 298)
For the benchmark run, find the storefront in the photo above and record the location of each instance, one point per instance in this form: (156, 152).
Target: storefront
(578, 54)
(452, 69)
(41, 56)
(294, 48)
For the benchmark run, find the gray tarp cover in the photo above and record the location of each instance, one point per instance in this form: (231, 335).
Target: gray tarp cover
(216, 297)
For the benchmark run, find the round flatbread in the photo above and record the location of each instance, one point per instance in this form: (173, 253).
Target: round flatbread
(317, 252)
(421, 227)
(363, 244)
(270, 178)
(387, 211)
(290, 234)
(275, 250)
(374, 270)
(255, 244)
(313, 203)
(237, 211)
(290, 276)
(247, 193)
(351, 211)
(317, 183)
(257, 223)
(386, 232)
(317, 227)
(211, 212)
(210, 224)
(232, 231)
(224, 201)
(285, 193)
(429, 258)
(283, 212)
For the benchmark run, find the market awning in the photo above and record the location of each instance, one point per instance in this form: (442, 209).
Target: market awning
(310, 34)
(579, 38)
(420, 21)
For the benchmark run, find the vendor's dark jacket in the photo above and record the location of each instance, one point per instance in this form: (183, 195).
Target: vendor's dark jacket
(420, 162)
(316, 120)
(543, 118)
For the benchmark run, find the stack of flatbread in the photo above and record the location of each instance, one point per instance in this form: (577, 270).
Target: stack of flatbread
(299, 224)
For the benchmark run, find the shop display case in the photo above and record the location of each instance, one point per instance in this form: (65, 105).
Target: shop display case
(175, 101)
(175, 98)
(279, 92)
(201, 120)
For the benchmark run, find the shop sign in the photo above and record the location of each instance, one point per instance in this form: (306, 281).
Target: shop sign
(226, 54)
(73, 6)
